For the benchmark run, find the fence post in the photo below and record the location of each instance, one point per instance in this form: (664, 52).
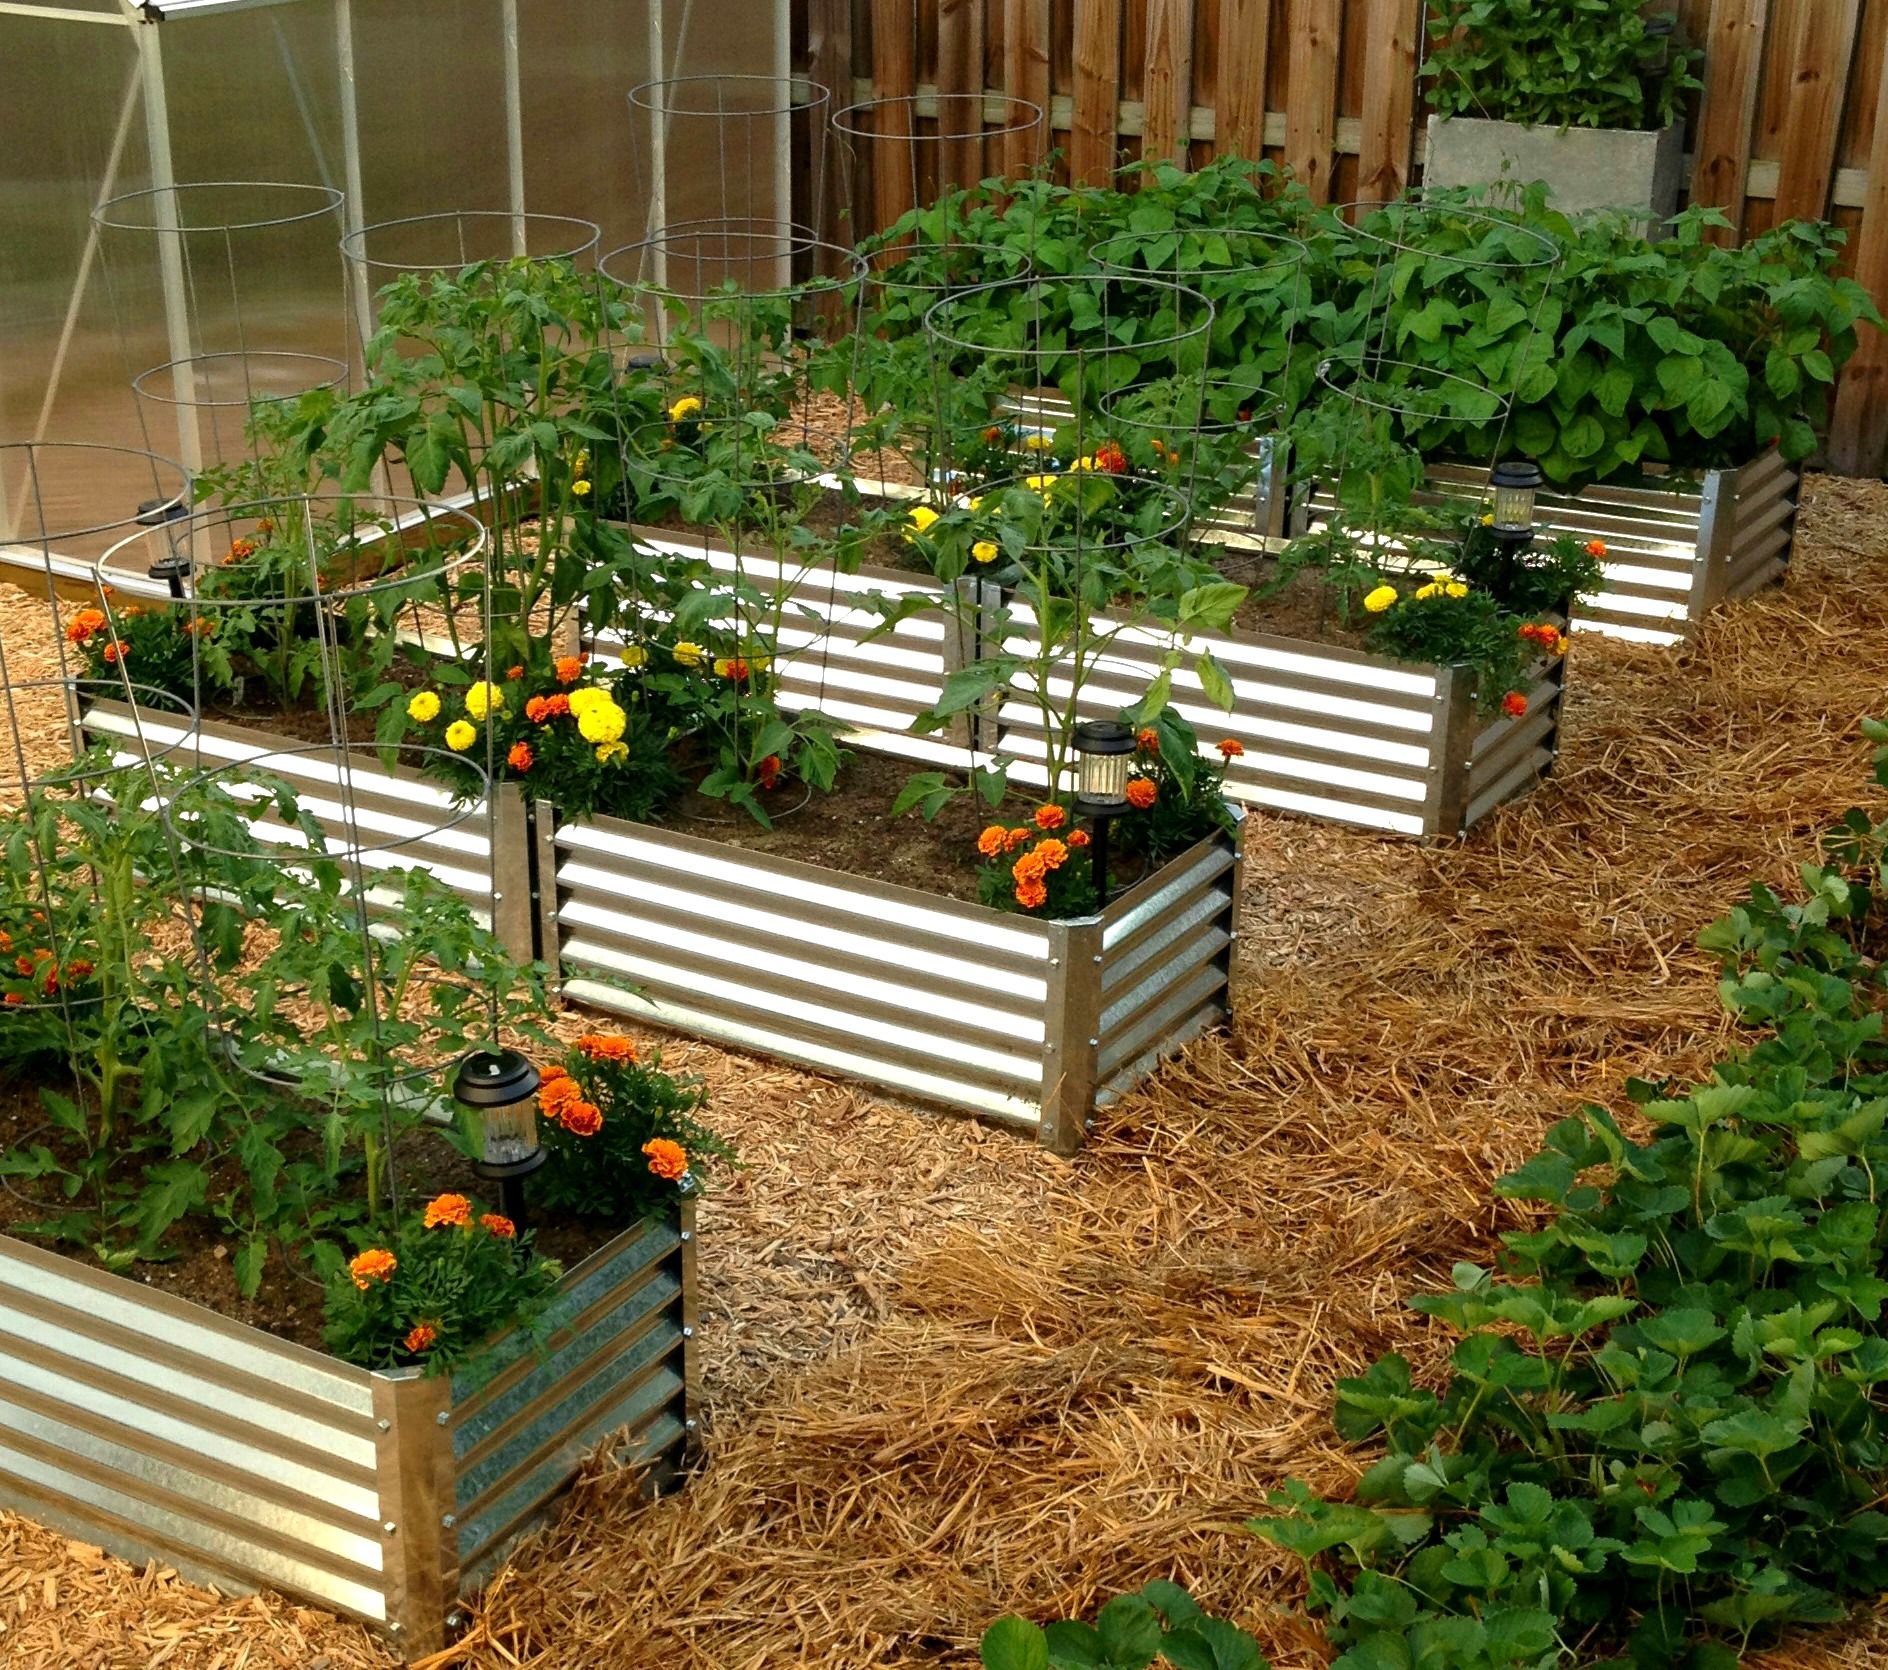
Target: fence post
(414, 1479)
(1071, 1048)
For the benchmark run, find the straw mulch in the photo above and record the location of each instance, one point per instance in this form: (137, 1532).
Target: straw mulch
(950, 1376)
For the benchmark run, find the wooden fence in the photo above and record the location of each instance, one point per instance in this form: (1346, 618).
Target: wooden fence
(1793, 120)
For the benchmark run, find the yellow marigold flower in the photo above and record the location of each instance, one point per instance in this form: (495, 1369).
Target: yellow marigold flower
(1038, 443)
(635, 656)
(424, 707)
(581, 701)
(580, 488)
(688, 654)
(1380, 599)
(1087, 463)
(1041, 483)
(985, 550)
(602, 722)
(919, 521)
(1455, 588)
(723, 667)
(1488, 519)
(612, 753)
(460, 736)
(482, 698)
(685, 408)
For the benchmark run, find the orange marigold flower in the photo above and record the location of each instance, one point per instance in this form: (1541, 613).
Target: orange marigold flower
(1141, 793)
(1030, 867)
(1514, 704)
(1110, 458)
(552, 1074)
(241, 549)
(668, 1160)
(500, 1225)
(84, 625)
(553, 1092)
(422, 1336)
(991, 842)
(24, 964)
(1050, 817)
(1014, 839)
(993, 436)
(6, 940)
(376, 1264)
(14, 998)
(514, 672)
(1031, 895)
(557, 705)
(537, 710)
(581, 1119)
(51, 983)
(606, 1046)
(1596, 547)
(1231, 748)
(1053, 853)
(42, 955)
(568, 668)
(448, 1211)
(114, 652)
(520, 758)
(769, 770)
(78, 969)
(1147, 740)
(1078, 838)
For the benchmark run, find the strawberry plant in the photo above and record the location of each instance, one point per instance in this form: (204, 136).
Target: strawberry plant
(1661, 1435)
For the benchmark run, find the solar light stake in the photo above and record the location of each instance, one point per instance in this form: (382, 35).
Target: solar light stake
(1104, 751)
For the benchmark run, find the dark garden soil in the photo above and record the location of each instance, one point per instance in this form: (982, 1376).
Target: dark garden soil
(853, 829)
(195, 1261)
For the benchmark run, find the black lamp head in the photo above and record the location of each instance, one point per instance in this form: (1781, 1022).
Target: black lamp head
(494, 1079)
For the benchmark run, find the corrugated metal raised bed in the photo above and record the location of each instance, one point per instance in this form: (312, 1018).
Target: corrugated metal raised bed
(1673, 553)
(159, 1430)
(1029, 1021)
(1328, 732)
(399, 819)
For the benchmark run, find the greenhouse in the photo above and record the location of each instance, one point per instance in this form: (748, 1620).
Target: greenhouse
(972, 834)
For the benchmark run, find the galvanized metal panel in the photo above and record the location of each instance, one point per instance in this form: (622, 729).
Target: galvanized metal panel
(152, 1425)
(524, 1421)
(410, 822)
(938, 998)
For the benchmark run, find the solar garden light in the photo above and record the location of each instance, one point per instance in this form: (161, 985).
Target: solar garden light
(1104, 750)
(502, 1087)
(171, 570)
(1660, 29)
(1515, 481)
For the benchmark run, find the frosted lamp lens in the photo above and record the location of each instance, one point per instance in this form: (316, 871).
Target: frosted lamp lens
(511, 1132)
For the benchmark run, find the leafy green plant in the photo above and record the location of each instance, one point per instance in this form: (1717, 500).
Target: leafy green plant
(1560, 63)
(1162, 1624)
(1661, 1433)
(624, 1139)
(449, 1279)
(1188, 800)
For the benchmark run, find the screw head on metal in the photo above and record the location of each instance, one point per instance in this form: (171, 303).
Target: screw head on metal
(688, 1333)
(455, 1620)
(444, 1417)
(385, 1426)
(1094, 1043)
(689, 1425)
(448, 1521)
(688, 1235)
(389, 1527)
(1097, 956)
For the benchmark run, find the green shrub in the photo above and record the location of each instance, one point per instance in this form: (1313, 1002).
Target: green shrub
(1559, 63)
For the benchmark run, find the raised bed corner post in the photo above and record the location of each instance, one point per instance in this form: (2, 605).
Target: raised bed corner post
(550, 944)
(1445, 809)
(969, 635)
(414, 1476)
(514, 923)
(1071, 1049)
(691, 1346)
(1717, 532)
